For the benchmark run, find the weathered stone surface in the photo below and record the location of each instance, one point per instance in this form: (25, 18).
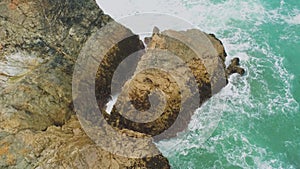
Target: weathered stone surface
(110, 55)
(51, 31)
(201, 61)
(39, 44)
(63, 147)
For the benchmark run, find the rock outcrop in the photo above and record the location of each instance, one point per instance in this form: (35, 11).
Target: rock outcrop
(187, 67)
(40, 42)
(234, 67)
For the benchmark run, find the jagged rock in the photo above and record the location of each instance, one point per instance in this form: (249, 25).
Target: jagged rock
(40, 42)
(147, 40)
(111, 56)
(62, 147)
(201, 61)
(218, 46)
(156, 30)
(234, 67)
(39, 45)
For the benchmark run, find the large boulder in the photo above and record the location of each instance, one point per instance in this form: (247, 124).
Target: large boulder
(182, 69)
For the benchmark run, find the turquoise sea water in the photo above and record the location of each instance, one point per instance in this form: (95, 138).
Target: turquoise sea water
(260, 115)
(260, 124)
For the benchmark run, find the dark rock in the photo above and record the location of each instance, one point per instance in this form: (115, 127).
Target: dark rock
(234, 67)
(156, 30)
(219, 46)
(147, 40)
(235, 61)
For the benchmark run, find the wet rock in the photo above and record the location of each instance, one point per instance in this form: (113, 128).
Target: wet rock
(234, 67)
(218, 46)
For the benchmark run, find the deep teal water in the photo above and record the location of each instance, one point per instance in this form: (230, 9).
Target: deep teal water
(260, 123)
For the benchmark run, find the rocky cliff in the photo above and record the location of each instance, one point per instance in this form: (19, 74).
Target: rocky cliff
(187, 67)
(40, 42)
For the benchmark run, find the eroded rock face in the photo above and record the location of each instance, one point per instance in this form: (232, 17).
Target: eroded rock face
(52, 32)
(186, 67)
(39, 44)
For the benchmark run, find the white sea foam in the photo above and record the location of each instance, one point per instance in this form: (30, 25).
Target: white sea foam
(111, 103)
(294, 19)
